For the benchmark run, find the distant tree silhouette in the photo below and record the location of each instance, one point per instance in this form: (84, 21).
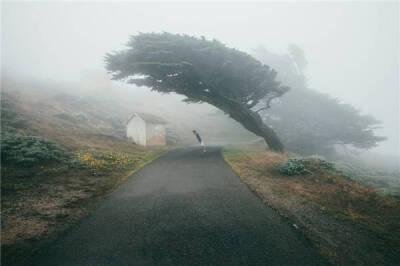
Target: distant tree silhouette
(310, 122)
(203, 71)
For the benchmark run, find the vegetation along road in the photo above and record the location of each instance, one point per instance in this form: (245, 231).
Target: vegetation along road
(186, 208)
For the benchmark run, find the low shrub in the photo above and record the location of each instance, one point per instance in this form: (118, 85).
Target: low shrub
(315, 165)
(29, 150)
(297, 166)
(293, 166)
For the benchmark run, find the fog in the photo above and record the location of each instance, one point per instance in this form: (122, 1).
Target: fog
(352, 48)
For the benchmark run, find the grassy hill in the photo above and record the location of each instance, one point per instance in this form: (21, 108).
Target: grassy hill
(61, 153)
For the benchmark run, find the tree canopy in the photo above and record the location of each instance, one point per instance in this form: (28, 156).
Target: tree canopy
(310, 122)
(203, 71)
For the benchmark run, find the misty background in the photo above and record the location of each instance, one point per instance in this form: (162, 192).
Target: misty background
(352, 49)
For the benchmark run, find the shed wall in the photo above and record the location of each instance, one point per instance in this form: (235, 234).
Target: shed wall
(156, 135)
(136, 131)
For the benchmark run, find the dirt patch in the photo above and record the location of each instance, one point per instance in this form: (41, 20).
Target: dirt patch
(347, 222)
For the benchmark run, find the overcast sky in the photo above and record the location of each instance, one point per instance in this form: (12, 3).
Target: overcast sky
(352, 48)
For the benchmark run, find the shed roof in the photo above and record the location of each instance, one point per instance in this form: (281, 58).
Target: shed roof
(149, 118)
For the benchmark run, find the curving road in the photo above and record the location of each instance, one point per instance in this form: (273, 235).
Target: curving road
(186, 208)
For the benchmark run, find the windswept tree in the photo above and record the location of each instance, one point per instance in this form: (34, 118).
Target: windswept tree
(203, 71)
(309, 122)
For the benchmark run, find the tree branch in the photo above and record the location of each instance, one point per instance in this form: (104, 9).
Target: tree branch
(263, 108)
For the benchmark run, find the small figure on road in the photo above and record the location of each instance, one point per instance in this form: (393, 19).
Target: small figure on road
(200, 140)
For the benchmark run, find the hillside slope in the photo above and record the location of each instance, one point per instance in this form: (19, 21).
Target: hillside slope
(61, 153)
(348, 222)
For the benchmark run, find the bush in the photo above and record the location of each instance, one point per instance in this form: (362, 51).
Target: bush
(29, 150)
(317, 164)
(296, 166)
(293, 166)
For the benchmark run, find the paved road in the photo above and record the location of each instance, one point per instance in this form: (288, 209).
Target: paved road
(186, 208)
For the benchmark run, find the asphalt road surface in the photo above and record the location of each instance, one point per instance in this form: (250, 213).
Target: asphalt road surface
(186, 208)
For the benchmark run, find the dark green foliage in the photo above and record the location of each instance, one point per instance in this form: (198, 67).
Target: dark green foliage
(315, 164)
(29, 150)
(297, 166)
(293, 166)
(74, 162)
(203, 71)
(196, 68)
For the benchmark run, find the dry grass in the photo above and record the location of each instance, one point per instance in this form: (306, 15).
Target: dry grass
(37, 208)
(328, 207)
(40, 202)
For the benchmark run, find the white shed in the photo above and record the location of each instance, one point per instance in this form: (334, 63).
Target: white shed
(146, 130)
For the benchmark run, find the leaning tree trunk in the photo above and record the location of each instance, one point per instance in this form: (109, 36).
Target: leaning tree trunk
(253, 122)
(250, 120)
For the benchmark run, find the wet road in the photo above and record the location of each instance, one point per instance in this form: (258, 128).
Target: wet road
(186, 208)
